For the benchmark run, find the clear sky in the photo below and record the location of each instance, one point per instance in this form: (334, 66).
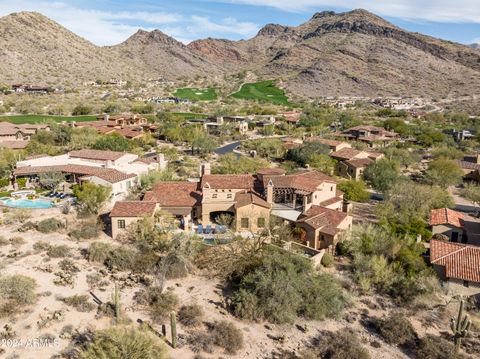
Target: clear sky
(108, 22)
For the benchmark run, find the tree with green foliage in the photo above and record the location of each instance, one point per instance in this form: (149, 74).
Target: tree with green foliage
(444, 172)
(8, 161)
(203, 143)
(402, 156)
(148, 180)
(407, 206)
(447, 152)
(113, 142)
(390, 264)
(282, 287)
(81, 110)
(267, 147)
(51, 180)
(354, 190)
(471, 191)
(323, 163)
(231, 164)
(302, 155)
(91, 197)
(381, 175)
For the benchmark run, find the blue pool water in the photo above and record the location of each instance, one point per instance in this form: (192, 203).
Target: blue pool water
(27, 203)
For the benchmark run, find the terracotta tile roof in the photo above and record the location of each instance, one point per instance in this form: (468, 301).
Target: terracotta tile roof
(14, 145)
(446, 216)
(304, 181)
(359, 163)
(228, 181)
(345, 154)
(461, 261)
(10, 131)
(129, 133)
(368, 128)
(375, 155)
(331, 201)
(271, 171)
(324, 219)
(325, 141)
(174, 194)
(108, 174)
(246, 198)
(133, 209)
(97, 155)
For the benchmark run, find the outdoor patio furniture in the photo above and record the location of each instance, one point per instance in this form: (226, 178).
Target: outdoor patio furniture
(200, 229)
(208, 229)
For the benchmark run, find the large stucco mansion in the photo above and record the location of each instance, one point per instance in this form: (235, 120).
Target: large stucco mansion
(307, 199)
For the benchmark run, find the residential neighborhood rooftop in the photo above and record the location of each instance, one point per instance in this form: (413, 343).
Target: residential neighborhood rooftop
(440, 216)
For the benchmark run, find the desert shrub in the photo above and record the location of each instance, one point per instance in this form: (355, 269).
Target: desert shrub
(395, 329)
(145, 262)
(432, 347)
(121, 258)
(18, 289)
(58, 251)
(161, 305)
(68, 266)
(124, 342)
(49, 225)
(98, 252)
(190, 315)
(94, 279)
(41, 246)
(354, 190)
(86, 230)
(81, 303)
(336, 345)
(17, 241)
(388, 264)
(177, 267)
(199, 341)
(19, 215)
(327, 260)
(284, 286)
(227, 336)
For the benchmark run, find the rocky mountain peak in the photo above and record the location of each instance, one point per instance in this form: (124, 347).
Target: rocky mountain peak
(156, 36)
(273, 30)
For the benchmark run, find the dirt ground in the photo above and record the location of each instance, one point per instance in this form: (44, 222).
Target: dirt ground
(195, 289)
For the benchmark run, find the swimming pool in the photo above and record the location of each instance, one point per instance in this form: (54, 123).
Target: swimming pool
(27, 203)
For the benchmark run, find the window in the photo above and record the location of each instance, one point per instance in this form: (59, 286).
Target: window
(121, 224)
(214, 195)
(466, 284)
(261, 222)
(331, 188)
(229, 195)
(244, 222)
(129, 184)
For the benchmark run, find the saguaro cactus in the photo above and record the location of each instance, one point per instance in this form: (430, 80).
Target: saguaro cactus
(173, 326)
(460, 326)
(116, 302)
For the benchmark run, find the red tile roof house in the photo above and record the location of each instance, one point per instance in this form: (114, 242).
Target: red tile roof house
(118, 170)
(125, 213)
(371, 135)
(458, 265)
(252, 199)
(352, 163)
(449, 223)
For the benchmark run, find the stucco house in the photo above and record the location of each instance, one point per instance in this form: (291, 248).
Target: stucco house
(370, 135)
(309, 198)
(449, 223)
(125, 213)
(332, 144)
(17, 136)
(457, 265)
(352, 169)
(118, 170)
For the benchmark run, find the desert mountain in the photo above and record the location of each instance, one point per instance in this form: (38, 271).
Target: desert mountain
(475, 46)
(356, 53)
(37, 50)
(163, 55)
(351, 53)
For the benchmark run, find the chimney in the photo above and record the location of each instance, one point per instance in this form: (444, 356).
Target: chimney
(270, 192)
(205, 169)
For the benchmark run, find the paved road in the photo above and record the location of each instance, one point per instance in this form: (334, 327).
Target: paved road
(227, 148)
